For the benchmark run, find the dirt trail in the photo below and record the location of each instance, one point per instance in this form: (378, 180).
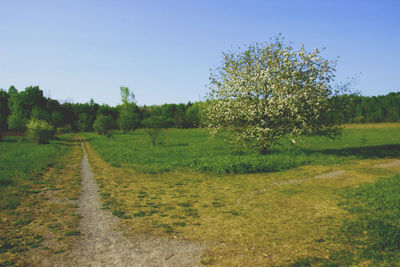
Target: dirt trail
(395, 163)
(102, 244)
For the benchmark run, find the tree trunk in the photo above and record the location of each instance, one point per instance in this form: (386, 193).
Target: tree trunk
(264, 150)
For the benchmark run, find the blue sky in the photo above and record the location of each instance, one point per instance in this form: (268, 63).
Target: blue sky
(163, 50)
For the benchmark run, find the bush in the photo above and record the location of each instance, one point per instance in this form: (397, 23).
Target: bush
(40, 130)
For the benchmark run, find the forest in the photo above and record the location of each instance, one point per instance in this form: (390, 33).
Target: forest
(19, 107)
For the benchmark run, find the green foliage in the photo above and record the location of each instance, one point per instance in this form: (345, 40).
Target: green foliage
(16, 121)
(127, 96)
(57, 119)
(40, 130)
(84, 122)
(16, 108)
(190, 149)
(40, 114)
(374, 228)
(128, 117)
(194, 115)
(103, 124)
(384, 108)
(4, 110)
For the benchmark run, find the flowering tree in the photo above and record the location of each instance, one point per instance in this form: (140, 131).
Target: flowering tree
(272, 90)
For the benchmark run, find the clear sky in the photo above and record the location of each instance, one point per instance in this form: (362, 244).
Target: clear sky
(162, 50)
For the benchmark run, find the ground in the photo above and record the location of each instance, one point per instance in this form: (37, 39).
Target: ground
(125, 217)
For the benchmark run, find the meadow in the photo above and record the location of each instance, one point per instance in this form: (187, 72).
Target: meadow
(319, 202)
(38, 187)
(192, 149)
(249, 209)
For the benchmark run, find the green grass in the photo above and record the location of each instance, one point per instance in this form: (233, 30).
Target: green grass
(375, 227)
(38, 183)
(192, 149)
(22, 162)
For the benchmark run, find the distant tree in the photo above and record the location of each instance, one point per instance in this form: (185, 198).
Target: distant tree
(154, 128)
(16, 121)
(86, 114)
(193, 115)
(30, 98)
(84, 122)
(12, 90)
(128, 116)
(57, 119)
(103, 124)
(179, 115)
(4, 111)
(128, 120)
(268, 91)
(40, 114)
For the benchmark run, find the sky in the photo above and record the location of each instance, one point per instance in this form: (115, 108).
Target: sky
(163, 51)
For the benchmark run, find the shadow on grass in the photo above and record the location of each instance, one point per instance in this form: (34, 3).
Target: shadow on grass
(344, 260)
(8, 140)
(61, 143)
(361, 152)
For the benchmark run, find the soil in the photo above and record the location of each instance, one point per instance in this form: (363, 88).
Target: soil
(392, 164)
(102, 243)
(329, 175)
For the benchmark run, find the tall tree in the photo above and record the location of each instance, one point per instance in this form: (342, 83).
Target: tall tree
(128, 115)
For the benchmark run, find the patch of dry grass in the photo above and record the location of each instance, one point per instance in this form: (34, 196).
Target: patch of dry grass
(45, 224)
(245, 220)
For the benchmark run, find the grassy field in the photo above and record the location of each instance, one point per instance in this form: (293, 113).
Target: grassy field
(192, 150)
(187, 188)
(39, 185)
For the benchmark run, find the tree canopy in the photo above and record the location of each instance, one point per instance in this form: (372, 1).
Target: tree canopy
(271, 90)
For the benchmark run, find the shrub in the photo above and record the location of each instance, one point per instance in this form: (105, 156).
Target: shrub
(40, 130)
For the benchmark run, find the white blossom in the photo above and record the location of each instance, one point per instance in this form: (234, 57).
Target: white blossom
(265, 92)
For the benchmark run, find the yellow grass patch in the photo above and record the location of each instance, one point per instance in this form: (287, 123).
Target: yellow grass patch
(244, 220)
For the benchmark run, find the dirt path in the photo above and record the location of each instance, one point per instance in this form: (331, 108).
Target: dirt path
(103, 245)
(395, 163)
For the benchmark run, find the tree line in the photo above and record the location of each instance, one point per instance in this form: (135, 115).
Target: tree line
(17, 108)
(382, 108)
